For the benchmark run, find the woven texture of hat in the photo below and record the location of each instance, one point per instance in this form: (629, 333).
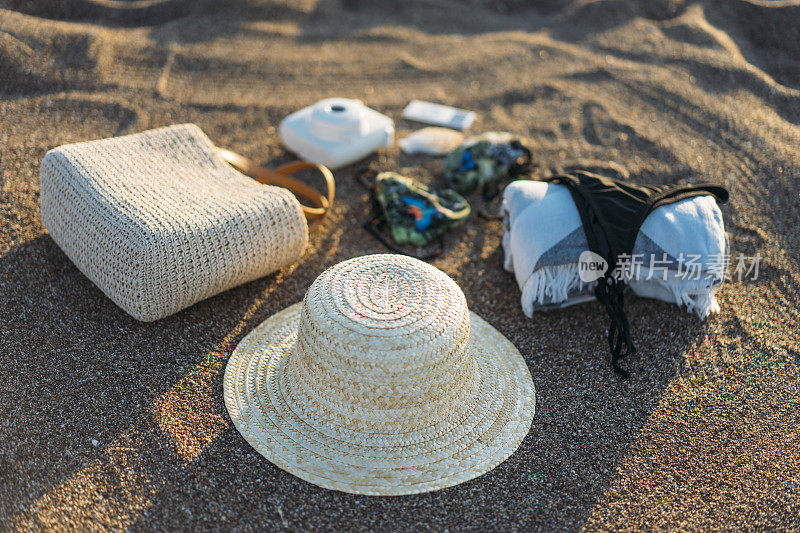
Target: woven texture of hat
(380, 382)
(159, 222)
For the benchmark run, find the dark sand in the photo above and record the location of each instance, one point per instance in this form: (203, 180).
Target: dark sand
(111, 423)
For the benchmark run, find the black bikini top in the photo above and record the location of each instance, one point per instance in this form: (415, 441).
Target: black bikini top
(612, 212)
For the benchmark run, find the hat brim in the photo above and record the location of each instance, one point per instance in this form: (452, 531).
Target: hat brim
(484, 432)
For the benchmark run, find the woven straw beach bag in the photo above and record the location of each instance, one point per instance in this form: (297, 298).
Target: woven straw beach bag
(380, 382)
(160, 220)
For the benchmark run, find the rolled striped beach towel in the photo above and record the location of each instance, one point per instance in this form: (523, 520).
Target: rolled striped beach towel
(680, 255)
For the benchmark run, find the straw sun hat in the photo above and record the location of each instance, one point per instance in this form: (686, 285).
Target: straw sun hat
(380, 382)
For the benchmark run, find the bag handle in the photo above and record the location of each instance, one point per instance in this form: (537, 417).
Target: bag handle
(281, 177)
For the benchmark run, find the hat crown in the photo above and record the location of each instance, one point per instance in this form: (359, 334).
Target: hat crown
(383, 344)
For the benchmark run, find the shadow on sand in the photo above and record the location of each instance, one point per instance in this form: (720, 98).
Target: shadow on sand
(125, 419)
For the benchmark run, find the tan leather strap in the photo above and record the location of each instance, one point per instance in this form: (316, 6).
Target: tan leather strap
(281, 178)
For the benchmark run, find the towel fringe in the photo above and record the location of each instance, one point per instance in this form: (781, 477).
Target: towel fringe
(699, 297)
(549, 286)
(552, 285)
